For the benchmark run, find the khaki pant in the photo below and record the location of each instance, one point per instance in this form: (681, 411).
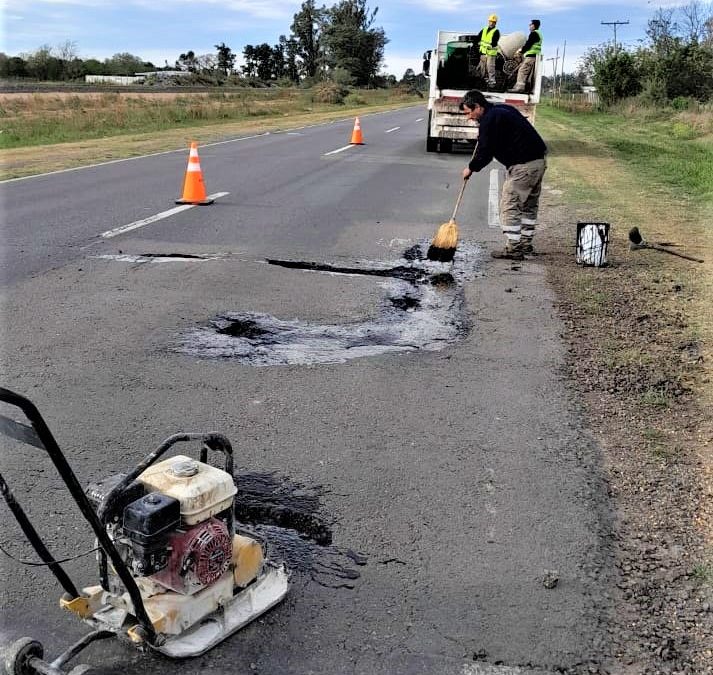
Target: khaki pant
(524, 73)
(487, 69)
(520, 200)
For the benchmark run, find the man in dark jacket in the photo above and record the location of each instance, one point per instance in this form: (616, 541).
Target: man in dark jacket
(506, 136)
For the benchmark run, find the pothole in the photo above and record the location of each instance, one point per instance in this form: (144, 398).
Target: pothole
(286, 516)
(423, 308)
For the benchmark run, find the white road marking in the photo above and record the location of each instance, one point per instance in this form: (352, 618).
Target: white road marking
(388, 131)
(420, 119)
(152, 219)
(494, 199)
(334, 152)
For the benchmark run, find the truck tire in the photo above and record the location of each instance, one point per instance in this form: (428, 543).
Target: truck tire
(431, 141)
(445, 145)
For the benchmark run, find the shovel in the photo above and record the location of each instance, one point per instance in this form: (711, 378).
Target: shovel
(636, 241)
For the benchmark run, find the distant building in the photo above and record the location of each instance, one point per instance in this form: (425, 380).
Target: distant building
(590, 94)
(138, 78)
(114, 79)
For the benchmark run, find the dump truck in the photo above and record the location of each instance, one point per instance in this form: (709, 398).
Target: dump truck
(452, 68)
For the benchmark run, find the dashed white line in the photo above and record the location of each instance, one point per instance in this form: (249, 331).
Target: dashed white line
(388, 131)
(420, 119)
(152, 219)
(334, 152)
(493, 199)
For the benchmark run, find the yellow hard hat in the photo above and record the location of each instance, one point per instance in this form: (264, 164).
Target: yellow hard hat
(493, 18)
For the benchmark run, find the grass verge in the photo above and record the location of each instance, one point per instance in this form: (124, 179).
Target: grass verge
(640, 333)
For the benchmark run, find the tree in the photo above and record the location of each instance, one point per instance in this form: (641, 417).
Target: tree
(289, 51)
(351, 42)
(124, 64)
(41, 64)
(226, 59)
(250, 67)
(187, 62)
(307, 33)
(615, 74)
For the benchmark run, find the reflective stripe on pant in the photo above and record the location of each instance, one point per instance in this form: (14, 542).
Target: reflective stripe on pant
(520, 200)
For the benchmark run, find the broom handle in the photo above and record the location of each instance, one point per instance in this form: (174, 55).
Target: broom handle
(465, 181)
(680, 255)
(460, 196)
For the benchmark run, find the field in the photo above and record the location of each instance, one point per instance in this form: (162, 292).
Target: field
(50, 118)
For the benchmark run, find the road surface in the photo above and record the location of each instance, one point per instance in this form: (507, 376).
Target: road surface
(423, 422)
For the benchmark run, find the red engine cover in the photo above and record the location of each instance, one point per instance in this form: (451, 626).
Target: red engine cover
(199, 556)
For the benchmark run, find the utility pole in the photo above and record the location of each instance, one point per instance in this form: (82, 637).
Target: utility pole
(555, 59)
(615, 24)
(564, 49)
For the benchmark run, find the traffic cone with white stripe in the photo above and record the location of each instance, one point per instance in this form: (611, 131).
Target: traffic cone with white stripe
(193, 186)
(356, 134)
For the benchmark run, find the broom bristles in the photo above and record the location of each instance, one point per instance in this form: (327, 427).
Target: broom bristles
(446, 236)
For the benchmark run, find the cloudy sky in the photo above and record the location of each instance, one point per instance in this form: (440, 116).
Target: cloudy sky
(159, 31)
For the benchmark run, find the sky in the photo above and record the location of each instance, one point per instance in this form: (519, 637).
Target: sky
(158, 31)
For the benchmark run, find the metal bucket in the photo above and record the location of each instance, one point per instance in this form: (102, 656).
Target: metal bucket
(592, 243)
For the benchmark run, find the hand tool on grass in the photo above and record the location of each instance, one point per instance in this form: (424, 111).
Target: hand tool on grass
(443, 245)
(637, 242)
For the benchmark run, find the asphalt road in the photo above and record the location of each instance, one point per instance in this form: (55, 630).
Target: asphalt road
(441, 448)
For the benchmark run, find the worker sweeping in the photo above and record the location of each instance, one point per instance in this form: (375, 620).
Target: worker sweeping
(507, 136)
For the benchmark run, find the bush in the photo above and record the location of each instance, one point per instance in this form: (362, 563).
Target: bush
(329, 92)
(355, 99)
(681, 103)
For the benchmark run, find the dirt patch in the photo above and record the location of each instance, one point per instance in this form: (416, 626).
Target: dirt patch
(638, 356)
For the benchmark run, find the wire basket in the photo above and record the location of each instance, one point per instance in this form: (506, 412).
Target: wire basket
(592, 243)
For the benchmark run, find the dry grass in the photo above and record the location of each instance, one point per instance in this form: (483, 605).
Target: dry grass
(34, 159)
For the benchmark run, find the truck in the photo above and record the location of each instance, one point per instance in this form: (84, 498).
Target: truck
(452, 68)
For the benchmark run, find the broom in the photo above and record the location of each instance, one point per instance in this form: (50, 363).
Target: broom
(443, 245)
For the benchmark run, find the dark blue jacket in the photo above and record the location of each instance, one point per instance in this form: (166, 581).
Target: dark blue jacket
(507, 136)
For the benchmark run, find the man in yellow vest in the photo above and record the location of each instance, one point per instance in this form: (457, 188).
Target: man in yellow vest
(488, 41)
(530, 52)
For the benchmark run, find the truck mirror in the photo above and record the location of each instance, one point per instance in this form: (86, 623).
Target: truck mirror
(426, 66)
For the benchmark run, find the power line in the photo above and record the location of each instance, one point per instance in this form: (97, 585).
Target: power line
(615, 24)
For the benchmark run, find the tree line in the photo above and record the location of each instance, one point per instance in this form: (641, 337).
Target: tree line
(674, 63)
(340, 43)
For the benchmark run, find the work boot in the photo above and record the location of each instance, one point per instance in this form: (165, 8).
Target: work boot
(510, 252)
(515, 90)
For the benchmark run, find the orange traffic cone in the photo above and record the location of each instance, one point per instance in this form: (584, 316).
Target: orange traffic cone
(356, 134)
(193, 186)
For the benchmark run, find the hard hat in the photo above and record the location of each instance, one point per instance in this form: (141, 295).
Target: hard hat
(493, 18)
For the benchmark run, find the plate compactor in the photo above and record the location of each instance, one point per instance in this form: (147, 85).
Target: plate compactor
(174, 575)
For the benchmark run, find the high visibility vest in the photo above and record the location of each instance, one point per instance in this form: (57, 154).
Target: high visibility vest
(486, 39)
(537, 47)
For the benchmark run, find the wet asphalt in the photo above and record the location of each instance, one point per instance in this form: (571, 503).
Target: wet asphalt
(406, 441)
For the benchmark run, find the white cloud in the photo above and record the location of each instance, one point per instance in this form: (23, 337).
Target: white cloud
(397, 64)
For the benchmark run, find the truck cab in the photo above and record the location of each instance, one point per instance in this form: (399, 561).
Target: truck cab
(452, 68)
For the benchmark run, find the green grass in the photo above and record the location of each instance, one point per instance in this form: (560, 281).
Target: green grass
(703, 573)
(672, 151)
